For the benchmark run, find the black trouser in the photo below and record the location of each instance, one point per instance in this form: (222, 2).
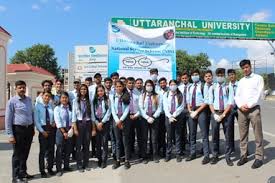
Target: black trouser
(162, 133)
(133, 136)
(46, 148)
(227, 128)
(62, 146)
(23, 136)
(139, 125)
(231, 118)
(123, 139)
(83, 143)
(185, 136)
(174, 128)
(102, 142)
(154, 130)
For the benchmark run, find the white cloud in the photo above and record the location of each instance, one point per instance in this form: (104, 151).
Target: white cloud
(67, 8)
(258, 16)
(3, 8)
(255, 50)
(222, 63)
(35, 7)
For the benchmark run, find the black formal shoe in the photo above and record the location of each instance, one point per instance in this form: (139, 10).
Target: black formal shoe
(127, 165)
(257, 164)
(145, 161)
(156, 159)
(51, 172)
(68, 169)
(229, 162)
(80, 170)
(242, 161)
(59, 174)
(116, 165)
(99, 163)
(190, 157)
(179, 159)
(44, 175)
(87, 169)
(18, 181)
(167, 158)
(205, 160)
(103, 165)
(214, 160)
(28, 176)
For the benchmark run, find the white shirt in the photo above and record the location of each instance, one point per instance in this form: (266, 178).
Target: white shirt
(167, 104)
(92, 89)
(143, 106)
(250, 91)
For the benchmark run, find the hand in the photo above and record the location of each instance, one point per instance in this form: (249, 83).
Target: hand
(99, 126)
(172, 119)
(12, 140)
(65, 135)
(193, 114)
(93, 133)
(217, 118)
(150, 120)
(45, 134)
(120, 125)
(53, 125)
(132, 117)
(244, 108)
(76, 132)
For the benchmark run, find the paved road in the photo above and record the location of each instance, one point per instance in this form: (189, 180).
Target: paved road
(163, 172)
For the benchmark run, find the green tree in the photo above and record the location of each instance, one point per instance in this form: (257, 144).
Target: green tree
(186, 62)
(38, 55)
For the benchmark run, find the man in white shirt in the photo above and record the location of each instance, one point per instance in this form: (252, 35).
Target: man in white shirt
(248, 98)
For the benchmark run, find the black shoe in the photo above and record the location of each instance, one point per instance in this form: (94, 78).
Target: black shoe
(28, 176)
(190, 157)
(205, 160)
(99, 163)
(21, 180)
(87, 169)
(44, 175)
(214, 160)
(127, 165)
(116, 165)
(242, 161)
(145, 161)
(103, 165)
(59, 174)
(156, 159)
(80, 170)
(68, 169)
(229, 162)
(167, 158)
(257, 164)
(52, 173)
(179, 159)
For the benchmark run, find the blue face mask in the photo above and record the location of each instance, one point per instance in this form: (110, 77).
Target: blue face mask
(220, 79)
(195, 78)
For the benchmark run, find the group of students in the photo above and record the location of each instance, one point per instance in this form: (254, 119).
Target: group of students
(158, 114)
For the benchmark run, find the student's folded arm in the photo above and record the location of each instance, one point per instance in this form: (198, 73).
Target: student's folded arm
(36, 119)
(107, 115)
(57, 117)
(159, 109)
(165, 107)
(179, 110)
(125, 113)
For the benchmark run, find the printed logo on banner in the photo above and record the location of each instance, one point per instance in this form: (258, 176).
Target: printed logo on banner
(115, 29)
(92, 50)
(169, 34)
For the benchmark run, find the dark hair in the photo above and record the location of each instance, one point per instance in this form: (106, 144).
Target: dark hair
(179, 94)
(114, 74)
(208, 72)
(77, 82)
(220, 71)
(162, 79)
(131, 79)
(125, 94)
(86, 98)
(195, 71)
(95, 102)
(108, 79)
(97, 75)
(139, 79)
(67, 95)
(122, 77)
(46, 81)
(153, 70)
(59, 80)
(90, 79)
(244, 62)
(153, 85)
(229, 71)
(185, 73)
(20, 82)
(48, 92)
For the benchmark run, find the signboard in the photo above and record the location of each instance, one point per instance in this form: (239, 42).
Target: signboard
(134, 51)
(206, 29)
(90, 59)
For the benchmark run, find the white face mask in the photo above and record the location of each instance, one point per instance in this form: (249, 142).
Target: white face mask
(149, 88)
(195, 78)
(154, 77)
(173, 87)
(220, 79)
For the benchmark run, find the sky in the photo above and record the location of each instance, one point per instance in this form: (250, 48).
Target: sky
(65, 23)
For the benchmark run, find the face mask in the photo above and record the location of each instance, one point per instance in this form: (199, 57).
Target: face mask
(149, 88)
(195, 78)
(220, 79)
(154, 77)
(173, 87)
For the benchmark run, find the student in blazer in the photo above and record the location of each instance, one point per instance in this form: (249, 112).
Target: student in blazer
(150, 106)
(173, 105)
(101, 113)
(44, 122)
(121, 125)
(63, 120)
